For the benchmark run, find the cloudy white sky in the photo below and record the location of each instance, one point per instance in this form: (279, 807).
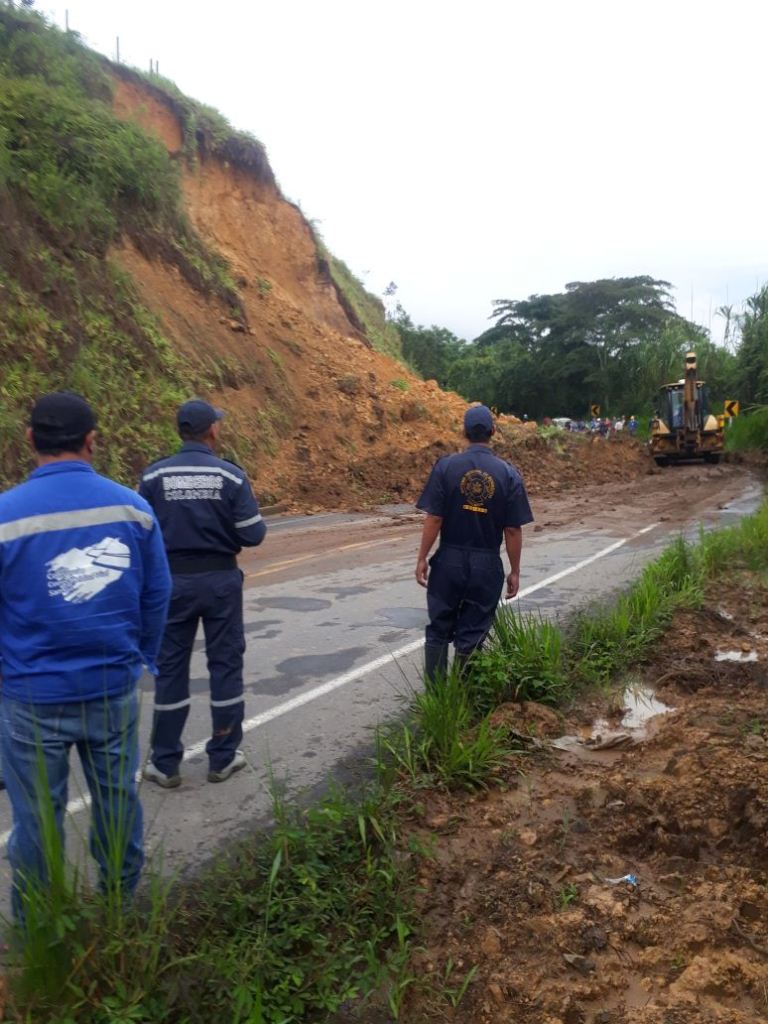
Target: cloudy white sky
(472, 151)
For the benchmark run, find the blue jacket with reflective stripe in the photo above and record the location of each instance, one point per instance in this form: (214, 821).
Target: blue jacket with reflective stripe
(84, 586)
(204, 504)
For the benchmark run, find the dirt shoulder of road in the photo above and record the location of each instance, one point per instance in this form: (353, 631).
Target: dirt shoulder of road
(516, 887)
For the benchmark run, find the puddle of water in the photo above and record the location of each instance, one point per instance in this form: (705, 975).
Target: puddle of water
(640, 706)
(740, 656)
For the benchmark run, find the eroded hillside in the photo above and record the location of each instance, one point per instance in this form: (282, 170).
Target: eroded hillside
(313, 404)
(147, 253)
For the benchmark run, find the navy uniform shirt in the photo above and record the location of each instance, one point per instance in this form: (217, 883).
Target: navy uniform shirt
(476, 494)
(204, 504)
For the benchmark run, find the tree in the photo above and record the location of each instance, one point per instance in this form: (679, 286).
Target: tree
(607, 317)
(613, 341)
(751, 377)
(431, 351)
(726, 312)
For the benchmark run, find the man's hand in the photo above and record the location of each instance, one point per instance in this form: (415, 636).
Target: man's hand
(429, 535)
(422, 572)
(513, 585)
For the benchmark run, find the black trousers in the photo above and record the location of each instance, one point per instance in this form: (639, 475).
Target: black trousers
(216, 598)
(463, 592)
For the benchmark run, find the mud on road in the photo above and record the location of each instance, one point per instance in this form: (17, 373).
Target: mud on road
(671, 495)
(517, 887)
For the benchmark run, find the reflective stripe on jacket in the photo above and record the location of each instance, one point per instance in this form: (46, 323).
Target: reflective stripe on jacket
(204, 504)
(84, 586)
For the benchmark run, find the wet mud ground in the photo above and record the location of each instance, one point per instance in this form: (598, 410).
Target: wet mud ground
(516, 885)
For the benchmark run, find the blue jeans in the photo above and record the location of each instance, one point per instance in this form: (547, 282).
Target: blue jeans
(35, 740)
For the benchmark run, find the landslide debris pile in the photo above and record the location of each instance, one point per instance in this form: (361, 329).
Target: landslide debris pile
(516, 893)
(147, 253)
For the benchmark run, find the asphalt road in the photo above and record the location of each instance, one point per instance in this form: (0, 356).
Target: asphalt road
(334, 624)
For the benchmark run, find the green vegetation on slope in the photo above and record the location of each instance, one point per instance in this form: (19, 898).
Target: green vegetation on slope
(205, 131)
(79, 172)
(77, 323)
(75, 180)
(365, 311)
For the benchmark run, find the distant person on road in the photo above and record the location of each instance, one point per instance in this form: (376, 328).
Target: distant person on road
(84, 587)
(632, 425)
(473, 499)
(208, 513)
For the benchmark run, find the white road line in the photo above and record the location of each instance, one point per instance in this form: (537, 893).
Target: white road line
(75, 806)
(580, 565)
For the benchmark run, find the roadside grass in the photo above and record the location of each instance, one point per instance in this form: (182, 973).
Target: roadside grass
(605, 639)
(444, 741)
(317, 915)
(313, 915)
(749, 431)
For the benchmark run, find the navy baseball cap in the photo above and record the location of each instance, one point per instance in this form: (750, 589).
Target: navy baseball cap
(478, 416)
(61, 417)
(196, 416)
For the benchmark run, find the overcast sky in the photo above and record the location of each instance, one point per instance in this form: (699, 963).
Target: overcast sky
(487, 149)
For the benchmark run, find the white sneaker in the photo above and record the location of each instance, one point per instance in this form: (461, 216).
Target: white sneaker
(237, 762)
(153, 774)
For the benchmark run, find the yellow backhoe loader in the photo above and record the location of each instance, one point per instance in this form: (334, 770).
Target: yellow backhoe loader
(683, 427)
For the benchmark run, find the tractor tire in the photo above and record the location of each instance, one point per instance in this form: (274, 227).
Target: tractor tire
(712, 458)
(661, 460)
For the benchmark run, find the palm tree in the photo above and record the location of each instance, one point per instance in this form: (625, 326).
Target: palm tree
(726, 312)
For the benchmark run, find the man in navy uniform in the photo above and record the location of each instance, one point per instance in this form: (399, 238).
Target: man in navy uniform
(207, 513)
(472, 500)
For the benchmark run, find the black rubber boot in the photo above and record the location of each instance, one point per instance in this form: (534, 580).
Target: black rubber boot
(461, 663)
(435, 662)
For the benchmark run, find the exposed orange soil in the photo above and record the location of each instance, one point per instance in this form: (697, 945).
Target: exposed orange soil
(132, 103)
(517, 887)
(317, 417)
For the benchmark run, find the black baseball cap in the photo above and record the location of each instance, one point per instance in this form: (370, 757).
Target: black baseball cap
(478, 416)
(195, 416)
(60, 418)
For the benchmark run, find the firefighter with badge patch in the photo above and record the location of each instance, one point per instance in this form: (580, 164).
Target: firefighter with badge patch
(473, 500)
(207, 513)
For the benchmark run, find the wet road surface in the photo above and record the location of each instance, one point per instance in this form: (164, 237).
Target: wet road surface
(334, 623)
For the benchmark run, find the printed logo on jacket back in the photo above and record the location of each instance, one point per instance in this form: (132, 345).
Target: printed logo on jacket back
(81, 573)
(193, 487)
(478, 488)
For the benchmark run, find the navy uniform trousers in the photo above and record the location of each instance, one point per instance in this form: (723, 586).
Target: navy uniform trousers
(216, 598)
(463, 591)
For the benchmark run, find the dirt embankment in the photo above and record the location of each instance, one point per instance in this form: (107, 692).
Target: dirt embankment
(518, 885)
(321, 419)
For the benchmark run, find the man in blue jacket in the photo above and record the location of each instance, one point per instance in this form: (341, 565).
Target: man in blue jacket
(84, 588)
(207, 513)
(473, 499)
